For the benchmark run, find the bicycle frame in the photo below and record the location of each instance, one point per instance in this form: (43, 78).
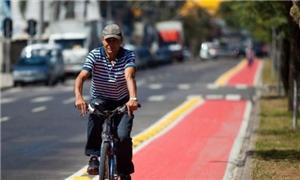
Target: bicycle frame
(108, 158)
(108, 137)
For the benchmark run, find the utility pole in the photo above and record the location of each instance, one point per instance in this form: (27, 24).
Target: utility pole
(41, 21)
(7, 54)
(7, 33)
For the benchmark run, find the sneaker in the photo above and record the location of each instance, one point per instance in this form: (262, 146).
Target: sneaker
(125, 177)
(93, 168)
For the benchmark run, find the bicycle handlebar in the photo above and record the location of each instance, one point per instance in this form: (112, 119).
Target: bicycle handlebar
(118, 110)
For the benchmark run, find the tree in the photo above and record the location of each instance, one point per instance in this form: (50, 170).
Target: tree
(262, 18)
(295, 11)
(198, 28)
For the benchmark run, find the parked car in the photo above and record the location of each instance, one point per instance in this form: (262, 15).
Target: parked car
(163, 55)
(260, 49)
(39, 63)
(143, 57)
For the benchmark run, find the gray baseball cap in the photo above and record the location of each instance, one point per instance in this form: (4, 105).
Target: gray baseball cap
(112, 31)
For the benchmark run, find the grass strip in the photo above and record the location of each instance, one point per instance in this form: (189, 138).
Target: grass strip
(277, 148)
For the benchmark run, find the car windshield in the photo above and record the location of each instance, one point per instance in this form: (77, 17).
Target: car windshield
(70, 43)
(33, 61)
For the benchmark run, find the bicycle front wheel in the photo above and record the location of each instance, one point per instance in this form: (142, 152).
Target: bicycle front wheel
(104, 159)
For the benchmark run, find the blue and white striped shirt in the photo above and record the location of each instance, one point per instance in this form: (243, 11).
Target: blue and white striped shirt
(108, 80)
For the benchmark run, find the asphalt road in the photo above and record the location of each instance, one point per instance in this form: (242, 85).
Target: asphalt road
(43, 136)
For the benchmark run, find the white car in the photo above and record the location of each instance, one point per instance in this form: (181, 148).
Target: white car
(208, 50)
(74, 49)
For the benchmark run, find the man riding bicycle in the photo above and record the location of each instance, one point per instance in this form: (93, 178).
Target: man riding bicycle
(112, 69)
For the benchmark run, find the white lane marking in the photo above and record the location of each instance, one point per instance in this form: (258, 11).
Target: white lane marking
(156, 98)
(69, 101)
(39, 109)
(7, 100)
(233, 97)
(241, 86)
(3, 119)
(184, 86)
(155, 86)
(230, 172)
(41, 99)
(214, 96)
(212, 86)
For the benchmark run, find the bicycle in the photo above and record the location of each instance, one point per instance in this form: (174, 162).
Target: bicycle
(108, 156)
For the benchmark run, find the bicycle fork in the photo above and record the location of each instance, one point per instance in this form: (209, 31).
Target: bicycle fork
(112, 161)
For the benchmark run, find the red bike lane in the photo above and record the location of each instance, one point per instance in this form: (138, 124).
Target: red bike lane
(199, 146)
(246, 75)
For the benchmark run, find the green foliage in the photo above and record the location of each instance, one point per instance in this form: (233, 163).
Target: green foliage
(259, 17)
(295, 12)
(198, 28)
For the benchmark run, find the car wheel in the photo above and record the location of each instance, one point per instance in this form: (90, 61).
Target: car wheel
(63, 79)
(49, 82)
(16, 84)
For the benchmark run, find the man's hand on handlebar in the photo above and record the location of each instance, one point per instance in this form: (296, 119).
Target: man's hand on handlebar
(132, 106)
(81, 105)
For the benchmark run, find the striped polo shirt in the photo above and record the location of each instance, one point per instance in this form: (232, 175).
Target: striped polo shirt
(108, 79)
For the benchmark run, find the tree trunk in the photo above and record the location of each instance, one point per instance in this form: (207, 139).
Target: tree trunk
(294, 58)
(284, 64)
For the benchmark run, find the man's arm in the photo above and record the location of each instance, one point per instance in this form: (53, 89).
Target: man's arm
(132, 104)
(79, 101)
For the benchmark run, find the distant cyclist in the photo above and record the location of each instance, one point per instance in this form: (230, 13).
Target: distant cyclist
(112, 69)
(250, 55)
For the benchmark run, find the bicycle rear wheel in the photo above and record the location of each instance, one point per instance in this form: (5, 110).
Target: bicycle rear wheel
(104, 159)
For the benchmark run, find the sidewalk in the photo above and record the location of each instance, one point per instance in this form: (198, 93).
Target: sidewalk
(6, 81)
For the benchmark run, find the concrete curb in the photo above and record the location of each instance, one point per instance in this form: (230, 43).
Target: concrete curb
(244, 165)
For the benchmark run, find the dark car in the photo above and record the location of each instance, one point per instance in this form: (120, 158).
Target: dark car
(163, 55)
(39, 63)
(143, 57)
